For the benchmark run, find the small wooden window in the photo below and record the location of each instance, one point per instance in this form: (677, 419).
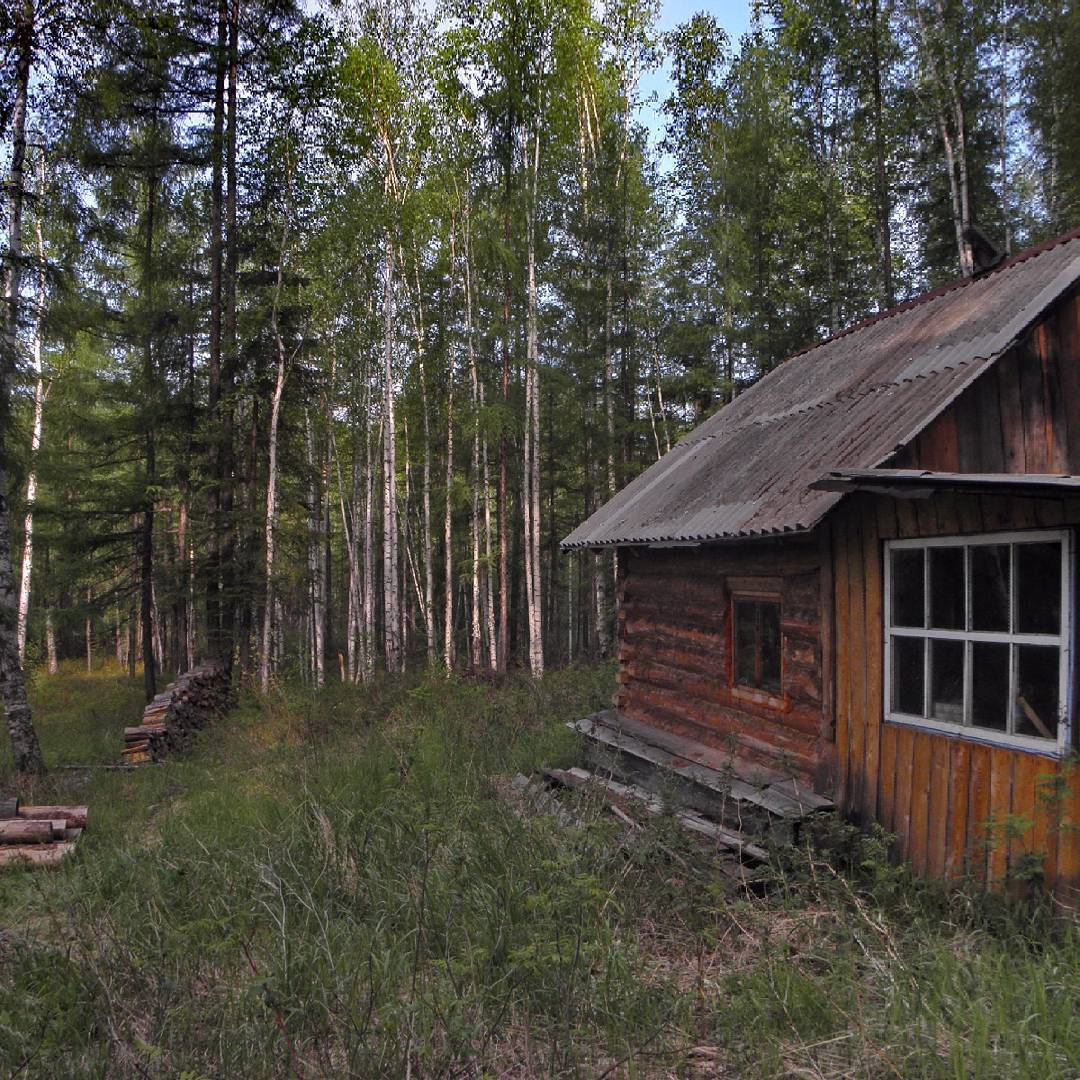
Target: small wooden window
(757, 644)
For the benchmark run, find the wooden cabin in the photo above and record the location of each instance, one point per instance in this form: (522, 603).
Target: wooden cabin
(863, 570)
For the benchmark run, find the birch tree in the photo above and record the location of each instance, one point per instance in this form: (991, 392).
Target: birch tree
(24, 742)
(40, 391)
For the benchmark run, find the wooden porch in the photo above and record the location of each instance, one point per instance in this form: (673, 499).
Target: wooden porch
(753, 799)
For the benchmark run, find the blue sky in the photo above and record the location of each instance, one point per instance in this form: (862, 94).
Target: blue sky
(732, 15)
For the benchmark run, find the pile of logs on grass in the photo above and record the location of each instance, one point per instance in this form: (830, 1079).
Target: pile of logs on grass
(40, 835)
(170, 721)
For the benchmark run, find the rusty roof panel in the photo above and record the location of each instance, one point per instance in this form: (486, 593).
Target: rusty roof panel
(847, 403)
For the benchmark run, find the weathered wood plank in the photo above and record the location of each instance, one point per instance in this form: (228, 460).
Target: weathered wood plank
(726, 781)
(1069, 336)
(1044, 834)
(1012, 424)
(991, 448)
(905, 751)
(1032, 407)
(887, 778)
(959, 786)
(1025, 768)
(1000, 805)
(920, 802)
(857, 665)
(937, 832)
(842, 586)
(978, 812)
(873, 646)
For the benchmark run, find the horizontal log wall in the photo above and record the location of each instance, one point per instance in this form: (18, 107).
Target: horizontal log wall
(675, 649)
(938, 793)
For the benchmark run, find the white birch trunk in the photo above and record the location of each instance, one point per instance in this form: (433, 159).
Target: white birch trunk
(315, 558)
(40, 393)
(272, 502)
(50, 643)
(531, 502)
(448, 524)
(393, 652)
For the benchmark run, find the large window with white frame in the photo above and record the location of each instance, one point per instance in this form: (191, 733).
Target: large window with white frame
(978, 633)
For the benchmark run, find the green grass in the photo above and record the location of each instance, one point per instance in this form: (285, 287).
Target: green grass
(338, 885)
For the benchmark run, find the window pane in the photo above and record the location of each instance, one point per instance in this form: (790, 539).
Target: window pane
(990, 685)
(770, 647)
(947, 588)
(947, 681)
(907, 675)
(990, 587)
(745, 642)
(1038, 588)
(1037, 683)
(908, 594)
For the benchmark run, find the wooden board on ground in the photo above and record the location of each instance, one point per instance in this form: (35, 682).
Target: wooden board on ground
(724, 775)
(36, 854)
(617, 792)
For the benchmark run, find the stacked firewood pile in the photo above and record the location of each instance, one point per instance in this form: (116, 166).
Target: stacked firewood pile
(170, 721)
(40, 835)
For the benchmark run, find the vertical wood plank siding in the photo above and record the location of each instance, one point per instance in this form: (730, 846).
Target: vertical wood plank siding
(946, 798)
(939, 794)
(675, 649)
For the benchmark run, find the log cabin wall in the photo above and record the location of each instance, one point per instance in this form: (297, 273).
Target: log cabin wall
(675, 649)
(938, 792)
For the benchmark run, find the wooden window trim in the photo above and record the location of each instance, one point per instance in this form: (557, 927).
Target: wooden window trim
(1063, 641)
(753, 590)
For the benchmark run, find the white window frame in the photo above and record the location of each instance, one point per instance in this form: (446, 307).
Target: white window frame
(1062, 640)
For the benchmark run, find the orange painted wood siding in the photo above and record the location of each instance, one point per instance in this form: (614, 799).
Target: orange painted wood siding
(945, 798)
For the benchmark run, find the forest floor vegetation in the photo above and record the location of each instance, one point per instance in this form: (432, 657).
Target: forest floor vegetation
(335, 884)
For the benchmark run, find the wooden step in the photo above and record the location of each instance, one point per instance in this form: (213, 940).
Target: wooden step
(619, 793)
(749, 796)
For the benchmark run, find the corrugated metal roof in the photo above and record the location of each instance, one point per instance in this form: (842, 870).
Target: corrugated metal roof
(847, 403)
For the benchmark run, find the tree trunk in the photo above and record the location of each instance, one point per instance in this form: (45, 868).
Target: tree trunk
(393, 652)
(229, 579)
(368, 653)
(146, 566)
(1003, 126)
(477, 616)
(25, 749)
(35, 434)
(88, 633)
(531, 502)
(271, 480)
(315, 561)
(50, 643)
(883, 208)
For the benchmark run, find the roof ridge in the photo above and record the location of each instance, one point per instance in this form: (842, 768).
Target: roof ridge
(940, 290)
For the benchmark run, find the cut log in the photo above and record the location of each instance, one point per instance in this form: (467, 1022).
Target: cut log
(74, 816)
(36, 854)
(18, 831)
(9, 808)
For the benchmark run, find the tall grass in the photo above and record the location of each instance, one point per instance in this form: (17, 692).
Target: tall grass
(342, 885)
